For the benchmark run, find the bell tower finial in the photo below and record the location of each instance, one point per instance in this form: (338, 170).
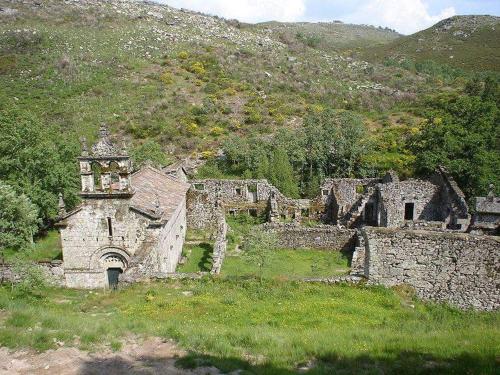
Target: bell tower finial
(61, 205)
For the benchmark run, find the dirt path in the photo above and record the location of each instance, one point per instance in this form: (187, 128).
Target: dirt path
(151, 356)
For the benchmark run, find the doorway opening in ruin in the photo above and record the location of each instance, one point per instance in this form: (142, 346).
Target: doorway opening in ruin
(113, 277)
(409, 211)
(370, 214)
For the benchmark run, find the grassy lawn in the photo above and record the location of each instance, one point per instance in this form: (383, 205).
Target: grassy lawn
(286, 263)
(273, 327)
(45, 249)
(199, 258)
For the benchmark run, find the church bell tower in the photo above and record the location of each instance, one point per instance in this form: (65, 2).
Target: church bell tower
(105, 170)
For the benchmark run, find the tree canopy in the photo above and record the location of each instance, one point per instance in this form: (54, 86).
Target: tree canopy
(36, 160)
(18, 219)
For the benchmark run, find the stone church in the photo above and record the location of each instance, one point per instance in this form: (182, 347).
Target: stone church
(128, 226)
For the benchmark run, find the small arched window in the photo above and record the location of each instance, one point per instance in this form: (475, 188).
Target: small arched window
(114, 173)
(96, 173)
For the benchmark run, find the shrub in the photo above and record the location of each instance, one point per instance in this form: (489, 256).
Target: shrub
(197, 68)
(192, 128)
(183, 55)
(216, 131)
(167, 78)
(149, 151)
(208, 154)
(32, 281)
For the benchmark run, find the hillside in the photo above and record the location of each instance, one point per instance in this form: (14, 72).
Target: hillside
(466, 42)
(183, 79)
(328, 36)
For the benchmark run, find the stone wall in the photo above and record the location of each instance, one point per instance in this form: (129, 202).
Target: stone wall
(242, 196)
(85, 240)
(53, 271)
(457, 268)
(220, 245)
(325, 237)
(424, 195)
(340, 195)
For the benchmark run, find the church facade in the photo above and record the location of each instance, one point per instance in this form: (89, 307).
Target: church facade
(128, 226)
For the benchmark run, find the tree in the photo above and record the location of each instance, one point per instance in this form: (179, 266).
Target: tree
(18, 219)
(281, 173)
(333, 144)
(36, 160)
(149, 151)
(258, 248)
(462, 134)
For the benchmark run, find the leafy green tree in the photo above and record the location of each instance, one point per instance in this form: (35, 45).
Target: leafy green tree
(281, 173)
(491, 91)
(149, 151)
(333, 144)
(36, 160)
(463, 134)
(258, 248)
(18, 219)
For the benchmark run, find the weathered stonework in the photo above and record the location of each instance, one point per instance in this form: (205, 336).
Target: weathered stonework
(53, 273)
(326, 237)
(239, 196)
(457, 268)
(128, 227)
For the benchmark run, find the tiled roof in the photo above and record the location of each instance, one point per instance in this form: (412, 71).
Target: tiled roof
(157, 194)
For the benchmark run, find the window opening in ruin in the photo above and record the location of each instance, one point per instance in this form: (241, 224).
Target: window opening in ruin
(200, 187)
(114, 174)
(96, 174)
(252, 188)
(326, 192)
(232, 212)
(110, 227)
(252, 212)
(238, 191)
(409, 211)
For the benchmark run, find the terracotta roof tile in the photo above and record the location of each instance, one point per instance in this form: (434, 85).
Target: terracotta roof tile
(152, 186)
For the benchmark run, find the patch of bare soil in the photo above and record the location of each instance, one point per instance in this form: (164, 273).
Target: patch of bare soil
(151, 356)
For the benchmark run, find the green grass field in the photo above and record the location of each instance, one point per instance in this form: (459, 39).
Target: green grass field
(199, 258)
(272, 327)
(292, 264)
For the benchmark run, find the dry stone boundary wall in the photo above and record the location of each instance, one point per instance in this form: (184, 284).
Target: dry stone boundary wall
(457, 268)
(53, 271)
(326, 237)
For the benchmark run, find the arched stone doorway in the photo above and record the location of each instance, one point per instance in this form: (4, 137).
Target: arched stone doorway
(114, 264)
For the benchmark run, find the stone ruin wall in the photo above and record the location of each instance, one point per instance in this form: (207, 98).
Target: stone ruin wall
(339, 195)
(242, 196)
(457, 268)
(220, 245)
(425, 195)
(53, 271)
(325, 237)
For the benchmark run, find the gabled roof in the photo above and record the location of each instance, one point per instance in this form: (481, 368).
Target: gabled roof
(156, 194)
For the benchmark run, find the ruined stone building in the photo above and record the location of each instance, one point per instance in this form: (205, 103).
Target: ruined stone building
(390, 202)
(128, 226)
(487, 216)
(347, 202)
